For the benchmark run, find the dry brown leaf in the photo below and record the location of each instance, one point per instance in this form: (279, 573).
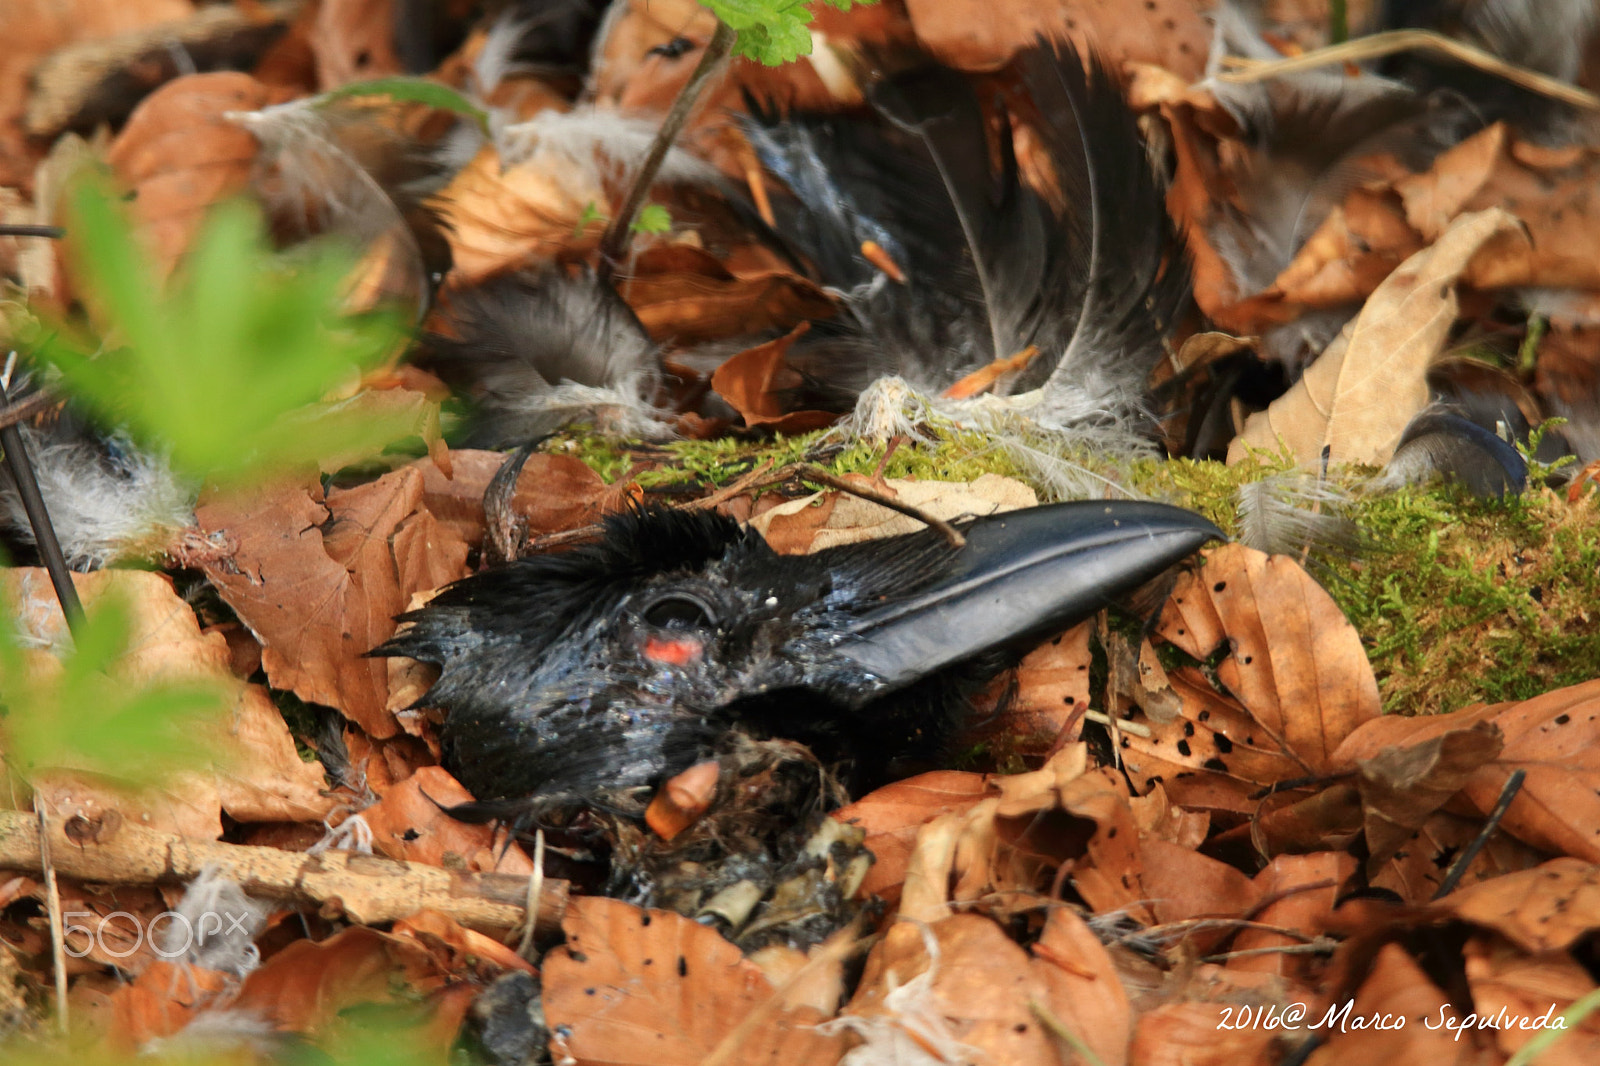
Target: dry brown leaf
(1550, 190)
(1534, 988)
(1296, 666)
(1300, 892)
(32, 29)
(319, 587)
(982, 35)
(1191, 1034)
(306, 987)
(1397, 988)
(753, 383)
(412, 822)
(851, 520)
(968, 999)
(1083, 989)
(654, 988)
(1046, 705)
(892, 815)
(1418, 869)
(161, 1000)
(1358, 396)
(1402, 787)
(180, 156)
(1548, 908)
(686, 295)
(256, 774)
(501, 218)
(354, 40)
(1555, 738)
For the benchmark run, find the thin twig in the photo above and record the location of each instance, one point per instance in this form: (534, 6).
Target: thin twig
(1458, 868)
(535, 890)
(739, 484)
(53, 232)
(822, 477)
(1138, 729)
(1321, 946)
(52, 903)
(44, 534)
(1382, 44)
(619, 232)
(25, 408)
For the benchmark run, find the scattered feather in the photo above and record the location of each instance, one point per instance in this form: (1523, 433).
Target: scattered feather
(109, 501)
(215, 926)
(1295, 512)
(534, 352)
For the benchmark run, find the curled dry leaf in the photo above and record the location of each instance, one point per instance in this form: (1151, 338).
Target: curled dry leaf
(1549, 908)
(1190, 1034)
(1048, 694)
(1398, 988)
(892, 815)
(1299, 677)
(353, 40)
(686, 295)
(32, 29)
(319, 586)
(256, 774)
(1402, 787)
(654, 988)
(1358, 396)
(1536, 988)
(179, 155)
(1555, 738)
(753, 383)
(412, 822)
(500, 218)
(308, 986)
(1298, 893)
(846, 519)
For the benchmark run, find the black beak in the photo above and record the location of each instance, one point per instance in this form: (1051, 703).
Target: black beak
(1021, 575)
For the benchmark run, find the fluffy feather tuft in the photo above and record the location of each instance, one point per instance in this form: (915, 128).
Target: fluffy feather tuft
(1294, 512)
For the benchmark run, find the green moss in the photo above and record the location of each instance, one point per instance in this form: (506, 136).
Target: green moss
(1458, 599)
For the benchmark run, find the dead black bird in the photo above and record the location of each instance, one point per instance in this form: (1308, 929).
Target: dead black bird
(575, 678)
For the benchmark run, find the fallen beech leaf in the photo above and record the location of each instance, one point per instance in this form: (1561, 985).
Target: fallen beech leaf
(1296, 666)
(851, 520)
(1550, 190)
(686, 295)
(1555, 738)
(1302, 891)
(319, 587)
(1531, 989)
(32, 29)
(654, 988)
(180, 156)
(309, 987)
(1398, 989)
(256, 775)
(963, 998)
(1049, 692)
(983, 35)
(1357, 397)
(500, 218)
(1548, 908)
(1402, 787)
(892, 816)
(412, 822)
(754, 380)
(353, 40)
(1084, 991)
(161, 1000)
(1418, 869)
(1192, 1034)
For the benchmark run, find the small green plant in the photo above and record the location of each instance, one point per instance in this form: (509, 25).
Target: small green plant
(653, 218)
(222, 370)
(771, 32)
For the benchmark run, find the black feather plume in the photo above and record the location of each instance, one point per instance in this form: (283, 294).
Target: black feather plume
(1093, 273)
(534, 351)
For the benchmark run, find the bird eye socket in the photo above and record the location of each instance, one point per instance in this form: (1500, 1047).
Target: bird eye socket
(679, 610)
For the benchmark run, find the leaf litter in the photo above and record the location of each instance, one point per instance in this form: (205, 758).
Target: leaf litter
(1166, 827)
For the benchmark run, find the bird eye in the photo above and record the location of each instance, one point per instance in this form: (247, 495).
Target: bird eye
(679, 610)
